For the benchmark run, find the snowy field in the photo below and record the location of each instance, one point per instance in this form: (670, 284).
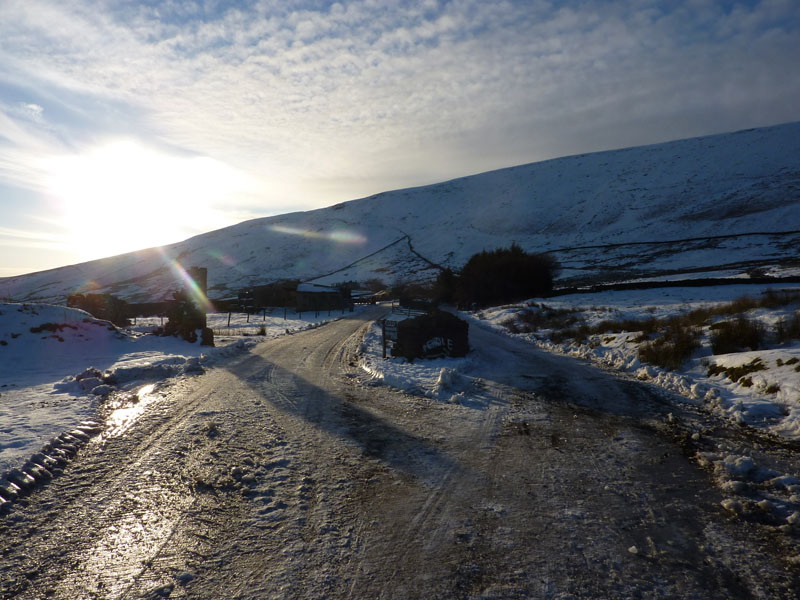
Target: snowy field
(768, 397)
(60, 366)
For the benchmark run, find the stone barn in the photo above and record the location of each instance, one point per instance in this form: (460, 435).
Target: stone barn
(316, 297)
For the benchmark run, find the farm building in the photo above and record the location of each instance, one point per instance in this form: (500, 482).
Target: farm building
(312, 296)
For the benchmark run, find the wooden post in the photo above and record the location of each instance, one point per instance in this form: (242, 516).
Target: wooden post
(229, 319)
(284, 313)
(383, 336)
(265, 314)
(248, 316)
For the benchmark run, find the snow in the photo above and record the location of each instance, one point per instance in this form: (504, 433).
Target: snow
(63, 375)
(754, 402)
(695, 190)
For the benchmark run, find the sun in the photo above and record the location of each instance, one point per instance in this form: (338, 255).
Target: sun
(123, 196)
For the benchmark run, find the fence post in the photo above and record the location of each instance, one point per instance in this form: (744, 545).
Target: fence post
(383, 336)
(229, 319)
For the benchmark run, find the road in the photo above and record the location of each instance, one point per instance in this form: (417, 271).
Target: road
(284, 473)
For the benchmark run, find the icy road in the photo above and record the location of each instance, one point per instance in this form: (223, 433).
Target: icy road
(283, 474)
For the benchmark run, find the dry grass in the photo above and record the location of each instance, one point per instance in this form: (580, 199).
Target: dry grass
(737, 373)
(672, 349)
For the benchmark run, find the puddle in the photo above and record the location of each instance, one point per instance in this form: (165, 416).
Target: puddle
(122, 418)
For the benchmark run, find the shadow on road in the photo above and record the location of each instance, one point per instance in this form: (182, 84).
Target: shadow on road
(377, 438)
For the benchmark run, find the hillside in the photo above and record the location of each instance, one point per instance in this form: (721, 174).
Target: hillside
(680, 206)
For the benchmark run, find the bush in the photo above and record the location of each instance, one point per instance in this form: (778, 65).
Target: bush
(736, 335)
(672, 349)
(788, 328)
(505, 275)
(102, 306)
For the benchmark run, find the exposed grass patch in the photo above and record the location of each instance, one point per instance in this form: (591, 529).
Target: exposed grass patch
(547, 317)
(736, 373)
(772, 389)
(792, 361)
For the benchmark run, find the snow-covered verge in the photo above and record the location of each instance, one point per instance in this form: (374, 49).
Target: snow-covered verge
(60, 368)
(436, 378)
(760, 388)
(231, 327)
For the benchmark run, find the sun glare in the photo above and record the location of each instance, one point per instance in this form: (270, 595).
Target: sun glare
(123, 197)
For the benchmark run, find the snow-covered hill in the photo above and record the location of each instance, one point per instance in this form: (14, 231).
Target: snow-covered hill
(698, 196)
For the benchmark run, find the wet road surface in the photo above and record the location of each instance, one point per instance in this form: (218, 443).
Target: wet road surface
(284, 474)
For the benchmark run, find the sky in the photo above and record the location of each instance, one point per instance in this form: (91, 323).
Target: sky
(126, 125)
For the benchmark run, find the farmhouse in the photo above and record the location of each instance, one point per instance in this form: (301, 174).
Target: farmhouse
(316, 297)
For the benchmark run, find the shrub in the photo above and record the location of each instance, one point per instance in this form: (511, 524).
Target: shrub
(788, 328)
(672, 349)
(736, 335)
(102, 306)
(577, 334)
(511, 325)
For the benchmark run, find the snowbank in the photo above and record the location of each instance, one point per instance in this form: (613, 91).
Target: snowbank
(767, 398)
(438, 379)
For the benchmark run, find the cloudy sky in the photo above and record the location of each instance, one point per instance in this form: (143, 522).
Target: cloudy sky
(126, 124)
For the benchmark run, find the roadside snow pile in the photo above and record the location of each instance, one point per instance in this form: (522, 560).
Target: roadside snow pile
(757, 493)
(59, 365)
(753, 378)
(439, 379)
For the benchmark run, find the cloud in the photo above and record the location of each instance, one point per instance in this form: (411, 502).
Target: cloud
(299, 93)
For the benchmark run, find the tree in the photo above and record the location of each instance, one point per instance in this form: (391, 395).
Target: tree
(445, 287)
(505, 275)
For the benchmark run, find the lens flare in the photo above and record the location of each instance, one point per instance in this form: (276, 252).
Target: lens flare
(225, 259)
(341, 236)
(189, 284)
